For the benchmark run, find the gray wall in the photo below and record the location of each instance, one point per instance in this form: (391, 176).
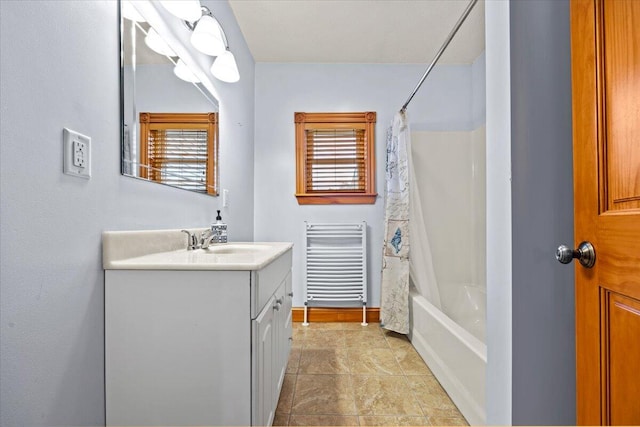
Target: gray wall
(59, 68)
(542, 213)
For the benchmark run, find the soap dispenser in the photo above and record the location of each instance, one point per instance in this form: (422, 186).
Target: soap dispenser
(219, 230)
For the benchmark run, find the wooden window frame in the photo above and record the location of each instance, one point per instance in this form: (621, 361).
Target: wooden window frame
(322, 121)
(204, 121)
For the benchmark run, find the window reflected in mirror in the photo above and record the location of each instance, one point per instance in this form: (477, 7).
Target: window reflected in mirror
(179, 149)
(169, 123)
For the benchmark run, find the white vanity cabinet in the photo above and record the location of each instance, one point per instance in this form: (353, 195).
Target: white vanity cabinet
(272, 343)
(196, 346)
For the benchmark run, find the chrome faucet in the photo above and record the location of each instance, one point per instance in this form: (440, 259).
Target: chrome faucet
(214, 235)
(192, 241)
(207, 237)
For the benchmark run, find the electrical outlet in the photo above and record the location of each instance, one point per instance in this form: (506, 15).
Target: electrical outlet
(77, 154)
(79, 149)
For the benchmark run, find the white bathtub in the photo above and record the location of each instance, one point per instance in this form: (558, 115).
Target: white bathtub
(457, 358)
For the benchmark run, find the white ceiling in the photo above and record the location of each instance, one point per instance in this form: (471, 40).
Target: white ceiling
(359, 31)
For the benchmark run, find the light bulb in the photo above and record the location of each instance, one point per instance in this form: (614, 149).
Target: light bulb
(187, 10)
(183, 72)
(157, 43)
(225, 68)
(207, 36)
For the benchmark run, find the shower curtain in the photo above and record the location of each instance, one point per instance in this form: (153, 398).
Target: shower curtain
(394, 304)
(402, 202)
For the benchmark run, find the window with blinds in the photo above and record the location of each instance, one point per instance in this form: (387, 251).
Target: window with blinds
(335, 158)
(180, 149)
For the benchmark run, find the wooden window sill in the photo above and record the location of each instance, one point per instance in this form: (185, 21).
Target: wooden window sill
(337, 198)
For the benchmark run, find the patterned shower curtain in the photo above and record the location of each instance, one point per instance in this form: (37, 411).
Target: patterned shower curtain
(394, 305)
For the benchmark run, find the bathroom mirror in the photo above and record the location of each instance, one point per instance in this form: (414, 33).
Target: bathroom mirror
(169, 125)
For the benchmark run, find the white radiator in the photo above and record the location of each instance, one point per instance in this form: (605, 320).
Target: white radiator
(335, 265)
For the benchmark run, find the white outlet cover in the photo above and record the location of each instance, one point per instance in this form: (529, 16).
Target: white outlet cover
(69, 166)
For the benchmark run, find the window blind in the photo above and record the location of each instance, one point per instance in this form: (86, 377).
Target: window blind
(335, 160)
(179, 157)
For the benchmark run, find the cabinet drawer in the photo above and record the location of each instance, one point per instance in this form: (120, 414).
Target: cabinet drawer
(265, 282)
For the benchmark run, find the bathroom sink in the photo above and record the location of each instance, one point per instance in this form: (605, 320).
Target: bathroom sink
(234, 248)
(167, 250)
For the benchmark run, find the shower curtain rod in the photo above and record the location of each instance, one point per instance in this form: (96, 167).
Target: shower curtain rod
(441, 51)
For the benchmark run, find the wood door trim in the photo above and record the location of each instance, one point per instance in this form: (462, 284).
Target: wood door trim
(586, 97)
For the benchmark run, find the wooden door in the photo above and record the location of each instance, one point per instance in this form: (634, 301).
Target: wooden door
(605, 41)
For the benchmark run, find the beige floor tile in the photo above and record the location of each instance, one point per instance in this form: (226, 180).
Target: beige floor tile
(281, 419)
(324, 361)
(425, 384)
(343, 374)
(410, 361)
(299, 334)
(431, 395)
(452, 421)
(397, 340)
(294, 360)
(373, 361)
(443, 413)
(323, 420)
(357, 326)
(393, 421)
(286, 394)
(365, 339)
(323, 338)
(384, 395)
(323, 326)
(323, 395)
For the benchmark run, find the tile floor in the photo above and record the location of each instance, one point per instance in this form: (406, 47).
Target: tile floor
(345, 374)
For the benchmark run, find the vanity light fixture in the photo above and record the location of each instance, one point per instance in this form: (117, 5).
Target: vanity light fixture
(187, 10)
(209, 38)
(157, 44)
(182, 71)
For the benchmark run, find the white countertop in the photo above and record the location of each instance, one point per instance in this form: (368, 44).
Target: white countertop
(166, 250)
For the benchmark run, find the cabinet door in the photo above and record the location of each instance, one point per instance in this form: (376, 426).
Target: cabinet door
(284, 342)
(264, 358)
(288, 324)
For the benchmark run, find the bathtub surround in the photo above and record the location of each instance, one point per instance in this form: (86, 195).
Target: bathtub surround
(394, 301)
(447, 310)
(450, 177)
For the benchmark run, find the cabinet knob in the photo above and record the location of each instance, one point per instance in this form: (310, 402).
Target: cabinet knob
(279, 301)
(290, 294)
